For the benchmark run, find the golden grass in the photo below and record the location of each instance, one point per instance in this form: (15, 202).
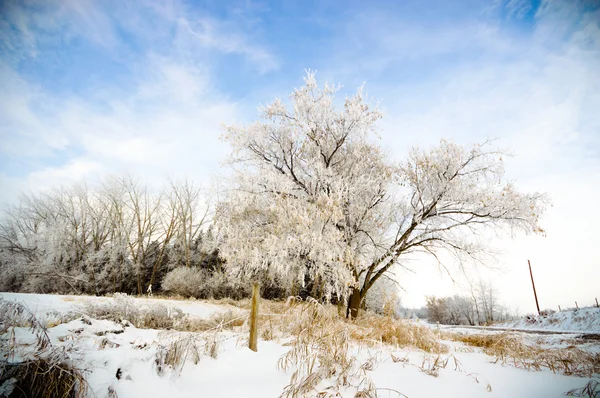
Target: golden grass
(508, 348)
(384, 329)
(280, 320)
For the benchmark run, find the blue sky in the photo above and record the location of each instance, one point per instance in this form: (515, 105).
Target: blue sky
(95, 87)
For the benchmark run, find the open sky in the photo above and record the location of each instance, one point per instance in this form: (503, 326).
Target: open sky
(95, 87)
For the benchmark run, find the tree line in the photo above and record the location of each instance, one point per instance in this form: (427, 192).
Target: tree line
(118, 235)
(480, 307)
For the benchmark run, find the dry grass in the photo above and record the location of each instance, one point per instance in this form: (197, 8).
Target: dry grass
(158, 316)
(320, 358)
(124, 308)
(70, 298)
(590, 390)
(177, 348)
(510, 349)
(384, 329)
(277, 320)
(46, 371)
(12, 315)
(43, 378)
(243, 303)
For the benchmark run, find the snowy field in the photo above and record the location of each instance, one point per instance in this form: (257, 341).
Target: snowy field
(585, 320)
(123, 361)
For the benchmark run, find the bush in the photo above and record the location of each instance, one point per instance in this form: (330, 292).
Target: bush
(186, 282)
(200, 283)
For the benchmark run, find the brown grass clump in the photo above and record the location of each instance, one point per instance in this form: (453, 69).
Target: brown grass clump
(43, 378)
(46, 372)
(510, 349)
(384, 329)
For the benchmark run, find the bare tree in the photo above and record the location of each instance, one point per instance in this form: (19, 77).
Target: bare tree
(191, 214)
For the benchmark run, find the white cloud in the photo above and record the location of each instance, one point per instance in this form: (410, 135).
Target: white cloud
(166, 120)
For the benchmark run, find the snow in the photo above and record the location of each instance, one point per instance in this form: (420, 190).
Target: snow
(477, 373)
(41, 304)
(584, 320)
(103, 347)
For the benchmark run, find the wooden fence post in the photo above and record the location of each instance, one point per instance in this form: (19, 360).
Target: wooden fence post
(597, 302)
(559, 310)
(576, 306)
(252, 344)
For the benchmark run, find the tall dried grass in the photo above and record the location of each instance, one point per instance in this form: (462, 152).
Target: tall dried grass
(508, 348)
(278, 320)
(320, 357)
(399, 333)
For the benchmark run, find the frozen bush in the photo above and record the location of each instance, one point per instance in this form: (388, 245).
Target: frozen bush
(186, 282)
(200, 283)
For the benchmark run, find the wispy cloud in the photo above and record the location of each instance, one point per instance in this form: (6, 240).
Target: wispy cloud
(223, 38)
(155, 111)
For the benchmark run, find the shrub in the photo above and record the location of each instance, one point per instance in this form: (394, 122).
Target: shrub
(202, 284)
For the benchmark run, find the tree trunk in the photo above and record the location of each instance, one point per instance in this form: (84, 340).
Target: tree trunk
(353, 304)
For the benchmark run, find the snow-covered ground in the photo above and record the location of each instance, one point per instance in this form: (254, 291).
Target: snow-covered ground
(41, 304)
(107, 349)
(586, 320)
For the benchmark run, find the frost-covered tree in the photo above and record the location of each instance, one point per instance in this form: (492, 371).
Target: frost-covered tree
(312, 194)
(115, 236)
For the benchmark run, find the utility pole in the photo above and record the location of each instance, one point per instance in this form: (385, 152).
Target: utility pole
(533, 284)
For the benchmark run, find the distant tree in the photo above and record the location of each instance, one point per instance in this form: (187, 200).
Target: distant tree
(312, 193)
(436, 309)
(486, 296)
